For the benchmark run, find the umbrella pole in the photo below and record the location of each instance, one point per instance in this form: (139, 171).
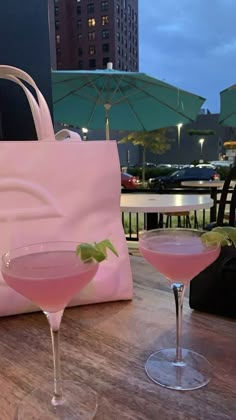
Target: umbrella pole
(107, 128)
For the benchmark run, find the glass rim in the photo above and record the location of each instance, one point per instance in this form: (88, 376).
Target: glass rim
(164, 230)
(5, 258)
(145, 234)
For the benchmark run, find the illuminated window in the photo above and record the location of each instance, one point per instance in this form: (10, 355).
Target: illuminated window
(91, 22)
(92, 50)
(105, 20)
(58, 39)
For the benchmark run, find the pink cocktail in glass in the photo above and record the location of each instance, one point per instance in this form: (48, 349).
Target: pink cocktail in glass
(179, 257)
(179, 254)
(50, 274)
(49, 279)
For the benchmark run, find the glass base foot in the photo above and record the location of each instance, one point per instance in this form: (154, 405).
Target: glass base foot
(192, 373)
(80, 403)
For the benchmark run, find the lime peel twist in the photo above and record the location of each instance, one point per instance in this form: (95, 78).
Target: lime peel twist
(96, 251)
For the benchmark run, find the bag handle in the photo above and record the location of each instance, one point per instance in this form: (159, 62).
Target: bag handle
(66, 134)
(40, 112)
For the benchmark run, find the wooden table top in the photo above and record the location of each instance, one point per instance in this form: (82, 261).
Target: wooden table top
(106, 346)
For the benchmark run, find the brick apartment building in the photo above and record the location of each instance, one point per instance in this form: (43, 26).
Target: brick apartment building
(90, 33)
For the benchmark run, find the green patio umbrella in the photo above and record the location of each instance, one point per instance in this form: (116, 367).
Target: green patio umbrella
(120, 100)
(228, 106)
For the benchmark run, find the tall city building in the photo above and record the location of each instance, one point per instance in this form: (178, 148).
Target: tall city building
(90, 33)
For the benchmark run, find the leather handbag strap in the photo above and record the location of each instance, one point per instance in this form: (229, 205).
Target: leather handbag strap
(40, 112)
(66, 134)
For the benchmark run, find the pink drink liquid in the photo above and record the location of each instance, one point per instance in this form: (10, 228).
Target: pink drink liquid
(179, 257)
(49, 279)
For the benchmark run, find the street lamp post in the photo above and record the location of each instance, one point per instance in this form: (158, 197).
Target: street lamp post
(201, 142)
(85, 133)
(179, 131)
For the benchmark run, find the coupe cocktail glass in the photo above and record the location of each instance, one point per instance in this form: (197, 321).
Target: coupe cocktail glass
(180, 255)
(50, 274)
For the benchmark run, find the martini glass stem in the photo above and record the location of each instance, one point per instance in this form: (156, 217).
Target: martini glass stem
(54, 320)
(179, 290)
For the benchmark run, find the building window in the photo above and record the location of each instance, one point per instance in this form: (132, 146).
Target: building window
(58, 39)
(129, 10)
(58, 51)
(92, 50)
(118, 8)
(80, 51)
(105, 20)
(79, 36)
(80, 64)
(118, 22)
(56, 11)
(105, 34)
(105, 47)
(118, 36)
(57, 25)
(78, 10)
(92, 63)
(118, 49)
(125, 17)
(91, 22)
(135, 17)
(91, 36)
(90, 8)
(79, 24)
(105, 60)
(104, 6)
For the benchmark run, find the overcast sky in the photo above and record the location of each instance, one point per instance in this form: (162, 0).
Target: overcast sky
(190, 44)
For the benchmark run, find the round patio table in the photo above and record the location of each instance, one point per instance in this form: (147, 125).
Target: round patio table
(163, 203)
(213, 185)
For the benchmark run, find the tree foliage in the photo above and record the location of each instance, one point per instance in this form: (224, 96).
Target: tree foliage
(156, 141)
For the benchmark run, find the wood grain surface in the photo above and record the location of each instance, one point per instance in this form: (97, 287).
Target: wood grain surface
(106, 346)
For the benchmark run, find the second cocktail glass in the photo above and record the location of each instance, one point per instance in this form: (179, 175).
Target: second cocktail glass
(179, 254)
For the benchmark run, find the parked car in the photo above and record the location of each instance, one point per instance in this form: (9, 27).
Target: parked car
(186, 174)
(147, 165)
(129, 181)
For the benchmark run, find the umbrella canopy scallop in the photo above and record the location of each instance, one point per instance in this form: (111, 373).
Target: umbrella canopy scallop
(228, 106)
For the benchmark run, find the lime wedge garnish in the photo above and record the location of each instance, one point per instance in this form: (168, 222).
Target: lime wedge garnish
(211, 238)
(230, 231)
(95, 252)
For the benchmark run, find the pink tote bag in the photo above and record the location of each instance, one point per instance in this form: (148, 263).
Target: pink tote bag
(61, 190)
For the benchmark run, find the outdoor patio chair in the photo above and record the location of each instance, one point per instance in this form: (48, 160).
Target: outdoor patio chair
(226, 217)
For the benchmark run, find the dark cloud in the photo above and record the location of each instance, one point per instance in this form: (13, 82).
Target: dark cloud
(190, 43)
